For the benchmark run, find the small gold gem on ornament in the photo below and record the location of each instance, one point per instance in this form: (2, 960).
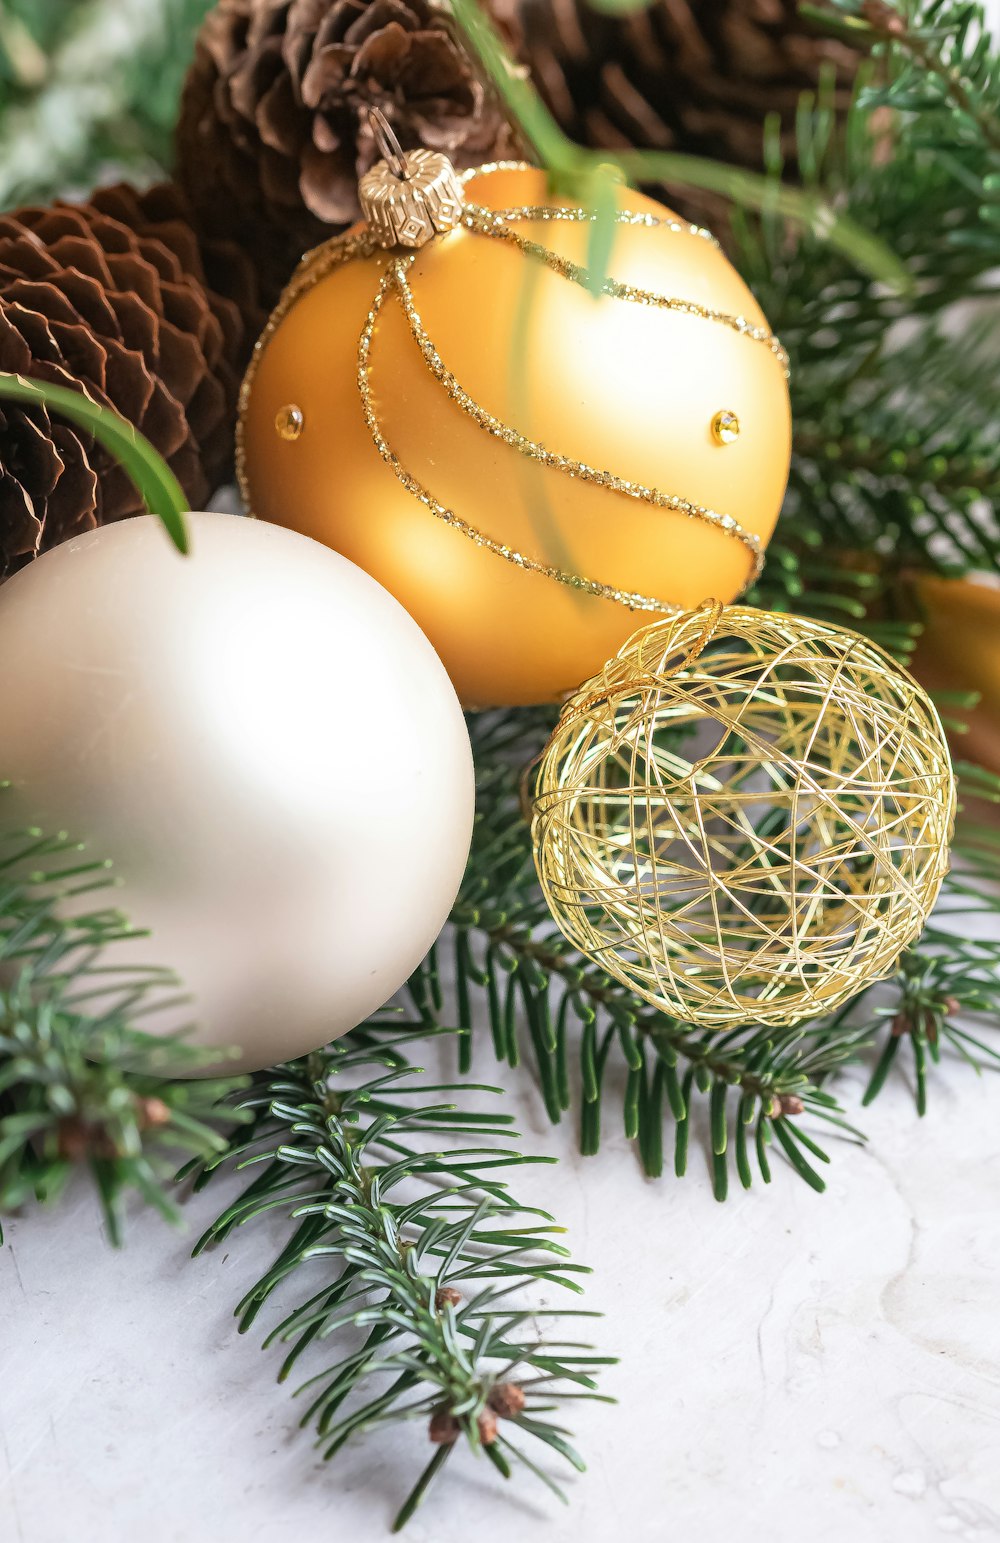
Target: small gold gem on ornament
(726, 427)
(289, 421)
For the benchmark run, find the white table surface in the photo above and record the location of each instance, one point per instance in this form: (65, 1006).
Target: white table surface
(792, 1365)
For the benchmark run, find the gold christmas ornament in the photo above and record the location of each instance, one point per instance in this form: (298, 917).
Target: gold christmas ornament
(745, 817)
(521, 464)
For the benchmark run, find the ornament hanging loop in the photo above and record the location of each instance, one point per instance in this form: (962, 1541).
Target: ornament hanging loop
(713, 611)
(386, 143)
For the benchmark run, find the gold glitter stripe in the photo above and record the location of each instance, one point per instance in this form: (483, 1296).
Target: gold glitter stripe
(397, 274)
(312, 267)
(635, 602)
(488, 222)
(529, 213)
(486, 170)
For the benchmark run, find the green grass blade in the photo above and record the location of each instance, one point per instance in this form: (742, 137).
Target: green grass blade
(160, 490)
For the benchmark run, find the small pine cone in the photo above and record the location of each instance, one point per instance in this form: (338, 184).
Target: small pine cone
(675, 75)
(487, 1426)
(507, 1400)
(112, 298)
(152, 1113)
(226, 273)
(79, 1140)
(785, 1104)
(446, 1296)
(444, 1428)
(273, 133)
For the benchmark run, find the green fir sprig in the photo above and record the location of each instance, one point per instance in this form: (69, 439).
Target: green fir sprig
(589, 1040)
(82, 1083)
(430, 1306)
(895, 397)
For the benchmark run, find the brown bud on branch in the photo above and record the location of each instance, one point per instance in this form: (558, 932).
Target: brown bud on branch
(507, 1399)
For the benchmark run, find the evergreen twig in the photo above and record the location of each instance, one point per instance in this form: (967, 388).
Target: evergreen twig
(403, 1195)
(588, 1038)
(81, 1083)
(896, 461)
(88, 84)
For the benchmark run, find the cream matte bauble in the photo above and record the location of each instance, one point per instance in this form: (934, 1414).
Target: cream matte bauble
(268, 750)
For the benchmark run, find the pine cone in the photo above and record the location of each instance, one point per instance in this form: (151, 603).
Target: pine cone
(273, 132)
(699, 78)
(111, 297)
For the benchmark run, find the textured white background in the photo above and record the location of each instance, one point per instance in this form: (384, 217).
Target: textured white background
(793, 1365)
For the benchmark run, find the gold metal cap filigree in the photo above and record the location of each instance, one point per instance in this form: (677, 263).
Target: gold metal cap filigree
(409, 198)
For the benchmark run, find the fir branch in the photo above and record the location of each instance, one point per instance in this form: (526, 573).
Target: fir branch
(894, 395)
(82, 1084)
(429, 1256)
(589, 1039)
(540, 994)
(948, 986)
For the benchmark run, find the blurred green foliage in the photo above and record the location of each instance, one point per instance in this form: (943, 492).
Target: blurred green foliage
(89, 89)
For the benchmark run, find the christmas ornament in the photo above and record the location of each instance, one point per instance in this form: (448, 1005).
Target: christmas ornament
(116, 298)
(781, 862)
(960, 651)
(702, 79)
(274, 133)
(524, 466)
(266, 748)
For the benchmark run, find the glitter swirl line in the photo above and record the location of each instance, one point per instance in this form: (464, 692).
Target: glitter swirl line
(538, 452)
(634, 601)
(493, 224)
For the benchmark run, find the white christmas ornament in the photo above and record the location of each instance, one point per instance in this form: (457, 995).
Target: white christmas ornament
(265, 746)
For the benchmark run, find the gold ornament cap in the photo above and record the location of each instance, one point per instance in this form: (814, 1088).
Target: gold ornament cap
(408, 199)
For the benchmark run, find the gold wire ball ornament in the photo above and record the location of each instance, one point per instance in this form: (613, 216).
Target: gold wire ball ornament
(771, 873)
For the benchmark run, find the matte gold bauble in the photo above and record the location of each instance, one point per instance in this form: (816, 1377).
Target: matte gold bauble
(529, 469)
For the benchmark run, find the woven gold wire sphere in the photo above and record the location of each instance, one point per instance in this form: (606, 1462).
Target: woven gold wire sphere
(745, 817)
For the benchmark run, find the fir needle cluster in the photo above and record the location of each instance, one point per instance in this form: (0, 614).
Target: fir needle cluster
(82, 1084)
(432, 1301)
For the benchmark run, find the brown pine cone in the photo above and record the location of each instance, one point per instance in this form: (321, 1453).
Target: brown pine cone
(110, 297)
(274, 135)
(696, 76)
